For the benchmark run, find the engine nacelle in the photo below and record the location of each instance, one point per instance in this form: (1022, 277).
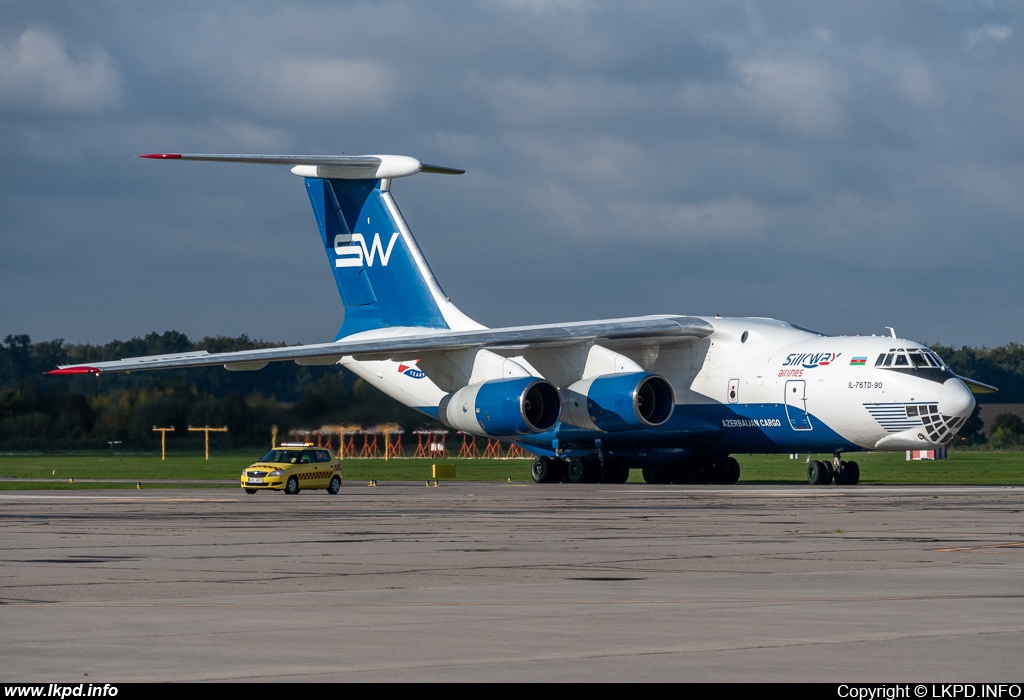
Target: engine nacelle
(517, 406)
(618, 402)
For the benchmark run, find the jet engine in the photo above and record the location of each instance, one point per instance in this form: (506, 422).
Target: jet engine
(611, 402)
(517, 406)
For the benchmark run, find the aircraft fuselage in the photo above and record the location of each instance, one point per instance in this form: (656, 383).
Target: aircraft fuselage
(755, 385)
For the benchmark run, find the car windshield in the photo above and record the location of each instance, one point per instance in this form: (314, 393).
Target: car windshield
(280, 456)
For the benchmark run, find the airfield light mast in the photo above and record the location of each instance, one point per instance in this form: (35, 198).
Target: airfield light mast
(163, 440)
(207, 430)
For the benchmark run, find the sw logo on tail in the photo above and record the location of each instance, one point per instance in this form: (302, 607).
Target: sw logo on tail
(357, 255)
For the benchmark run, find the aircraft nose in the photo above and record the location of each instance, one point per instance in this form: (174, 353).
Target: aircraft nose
(955, 399)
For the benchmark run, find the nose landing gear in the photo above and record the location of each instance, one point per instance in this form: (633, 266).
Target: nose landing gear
(848, 475)
(821, 473)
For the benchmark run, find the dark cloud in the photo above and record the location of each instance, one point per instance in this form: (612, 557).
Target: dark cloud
(844, 167)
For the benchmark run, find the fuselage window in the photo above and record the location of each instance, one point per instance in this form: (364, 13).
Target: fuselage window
(911, 411)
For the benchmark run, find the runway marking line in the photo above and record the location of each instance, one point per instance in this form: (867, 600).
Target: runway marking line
(981, 546)
(522, 603)
(135, 499)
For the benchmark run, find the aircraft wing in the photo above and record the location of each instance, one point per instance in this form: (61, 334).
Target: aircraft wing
(977, 387)
(406, 346)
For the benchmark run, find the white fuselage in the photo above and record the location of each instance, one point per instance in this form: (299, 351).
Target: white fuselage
(763, 385)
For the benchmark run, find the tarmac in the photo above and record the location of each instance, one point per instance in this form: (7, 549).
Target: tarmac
(503, 581)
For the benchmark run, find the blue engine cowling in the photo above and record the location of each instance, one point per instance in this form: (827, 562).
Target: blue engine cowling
(519, 406)
(618, 402)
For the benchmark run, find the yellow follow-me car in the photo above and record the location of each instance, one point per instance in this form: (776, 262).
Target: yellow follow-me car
(292, 467)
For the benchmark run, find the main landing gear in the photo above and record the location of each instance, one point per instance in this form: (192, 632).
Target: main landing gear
(725, 470)
(842, 473)
(579, 470)
(615, 470)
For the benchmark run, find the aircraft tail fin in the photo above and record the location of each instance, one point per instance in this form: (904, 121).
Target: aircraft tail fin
(382, 276)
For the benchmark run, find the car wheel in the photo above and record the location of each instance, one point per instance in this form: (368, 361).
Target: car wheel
(250, 491)
(335, 485)
(292, 487)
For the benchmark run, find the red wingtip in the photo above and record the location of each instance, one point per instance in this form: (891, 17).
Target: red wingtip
(162, 156)
(75, 370)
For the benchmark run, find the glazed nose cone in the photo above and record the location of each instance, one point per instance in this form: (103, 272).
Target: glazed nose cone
(955, 399)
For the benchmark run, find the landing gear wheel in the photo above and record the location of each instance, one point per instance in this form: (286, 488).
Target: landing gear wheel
(819, 473)
(727, 471)
(685, 475)
(250, 491)
(542, 471)
(614, 471)
(335, 485)
(839, 477)
(692, 472)
(853, 473)
(703, 473)
(560, 471)
(654, 475)
(292, 487)
(583, 470)
(842, 477)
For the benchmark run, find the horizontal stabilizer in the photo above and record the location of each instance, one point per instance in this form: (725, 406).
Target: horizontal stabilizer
(369, 167)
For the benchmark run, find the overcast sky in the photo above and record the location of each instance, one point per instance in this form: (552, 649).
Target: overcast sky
(842, 166)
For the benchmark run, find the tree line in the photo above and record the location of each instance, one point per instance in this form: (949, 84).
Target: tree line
(1002, 367)
(86, 412)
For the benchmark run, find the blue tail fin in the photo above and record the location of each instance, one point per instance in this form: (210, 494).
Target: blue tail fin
(381, 274)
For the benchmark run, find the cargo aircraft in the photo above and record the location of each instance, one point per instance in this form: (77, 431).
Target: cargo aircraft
(671, 395)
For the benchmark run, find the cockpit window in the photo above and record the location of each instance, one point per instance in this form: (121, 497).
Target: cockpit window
(934, 358)
(909, 357)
